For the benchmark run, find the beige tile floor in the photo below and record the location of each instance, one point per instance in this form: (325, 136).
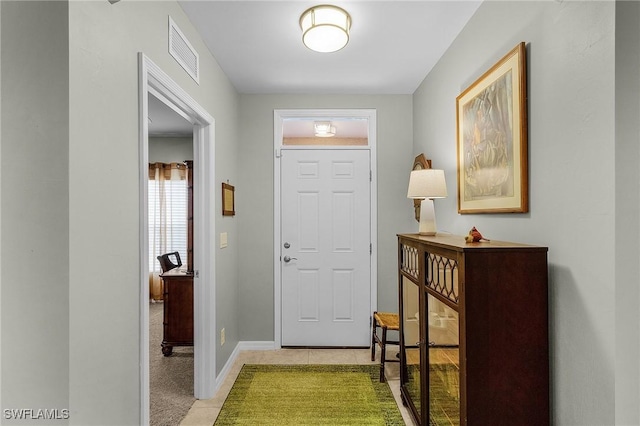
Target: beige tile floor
(204, 412)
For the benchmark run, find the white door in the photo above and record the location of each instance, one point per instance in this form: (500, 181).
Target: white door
(325, 253)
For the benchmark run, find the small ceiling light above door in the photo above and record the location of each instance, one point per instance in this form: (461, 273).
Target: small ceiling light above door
(324, 129)
(325, 28)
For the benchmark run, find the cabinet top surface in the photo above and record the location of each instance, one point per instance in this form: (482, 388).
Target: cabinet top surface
(176, 272)
(457, 242)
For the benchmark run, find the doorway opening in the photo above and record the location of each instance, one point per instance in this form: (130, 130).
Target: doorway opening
(153, 81)
(353, 132)
(171, 351)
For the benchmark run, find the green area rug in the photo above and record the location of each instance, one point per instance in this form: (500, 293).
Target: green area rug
(309, 395)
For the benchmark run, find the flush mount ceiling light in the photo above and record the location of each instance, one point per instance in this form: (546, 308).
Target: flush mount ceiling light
(325, 28)
(324, 129)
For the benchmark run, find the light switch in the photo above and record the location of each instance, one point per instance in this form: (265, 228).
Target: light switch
(223, 240)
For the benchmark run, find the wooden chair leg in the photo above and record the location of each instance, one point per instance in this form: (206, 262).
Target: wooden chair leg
(373, 339)
(383, 353)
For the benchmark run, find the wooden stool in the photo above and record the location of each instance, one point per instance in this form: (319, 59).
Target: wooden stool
(386, 321)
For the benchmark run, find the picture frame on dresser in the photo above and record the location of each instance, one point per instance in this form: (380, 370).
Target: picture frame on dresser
(492, 143)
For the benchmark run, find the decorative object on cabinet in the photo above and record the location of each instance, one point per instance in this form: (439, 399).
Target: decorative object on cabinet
(426, 185)
(474, 236)
(385, 321)
(492, 139)
(228, 200)
(419, 163)
(473, 331)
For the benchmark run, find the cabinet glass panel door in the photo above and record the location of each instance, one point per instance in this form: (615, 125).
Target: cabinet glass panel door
(411, 336)
(444, 363)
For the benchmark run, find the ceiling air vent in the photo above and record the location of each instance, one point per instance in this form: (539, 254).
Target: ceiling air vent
(183, 52)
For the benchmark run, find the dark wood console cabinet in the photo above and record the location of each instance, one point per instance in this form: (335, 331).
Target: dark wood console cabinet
(473, 331)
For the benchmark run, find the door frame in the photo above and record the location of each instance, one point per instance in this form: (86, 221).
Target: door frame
(155, 81)
(279, 115)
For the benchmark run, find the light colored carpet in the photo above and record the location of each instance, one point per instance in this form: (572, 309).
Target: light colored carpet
(171, 378)
(297, 395)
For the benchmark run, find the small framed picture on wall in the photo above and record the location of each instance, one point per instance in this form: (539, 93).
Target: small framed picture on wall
(228, 200)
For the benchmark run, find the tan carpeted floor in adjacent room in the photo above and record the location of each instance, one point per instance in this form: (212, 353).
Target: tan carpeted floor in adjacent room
(171, 378)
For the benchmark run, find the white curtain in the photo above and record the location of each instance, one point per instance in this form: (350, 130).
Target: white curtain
(167, 218)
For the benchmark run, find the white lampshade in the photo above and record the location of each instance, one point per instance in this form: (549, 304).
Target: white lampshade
(427, 183)
(325, 28)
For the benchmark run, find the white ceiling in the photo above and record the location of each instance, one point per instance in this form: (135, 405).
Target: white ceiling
(258, 44)
(393, 44)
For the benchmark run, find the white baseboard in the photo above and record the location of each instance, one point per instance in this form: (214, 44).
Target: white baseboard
(257, 346)
(242, 346)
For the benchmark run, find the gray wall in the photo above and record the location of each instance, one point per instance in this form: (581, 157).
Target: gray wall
(627, 205)
(35, 206)
(70, 236)
(104, 310)
(255, 197)
(572, 176)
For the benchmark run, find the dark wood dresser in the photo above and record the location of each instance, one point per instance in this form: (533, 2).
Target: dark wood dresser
(474, 331)
(178, 288)
(178, 309)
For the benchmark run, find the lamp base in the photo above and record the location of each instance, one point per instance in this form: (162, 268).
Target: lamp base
(427, 218)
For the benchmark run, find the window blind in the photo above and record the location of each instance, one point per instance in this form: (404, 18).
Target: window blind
(175, 211)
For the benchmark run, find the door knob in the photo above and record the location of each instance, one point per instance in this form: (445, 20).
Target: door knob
(288, 259)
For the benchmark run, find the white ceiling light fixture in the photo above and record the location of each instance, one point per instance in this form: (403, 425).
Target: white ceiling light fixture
(324, 129)
(325, 28)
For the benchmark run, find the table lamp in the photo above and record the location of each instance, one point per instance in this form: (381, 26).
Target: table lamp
(425, 185)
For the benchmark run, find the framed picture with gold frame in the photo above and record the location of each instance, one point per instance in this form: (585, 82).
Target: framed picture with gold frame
(492, 139)
(228, 200)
